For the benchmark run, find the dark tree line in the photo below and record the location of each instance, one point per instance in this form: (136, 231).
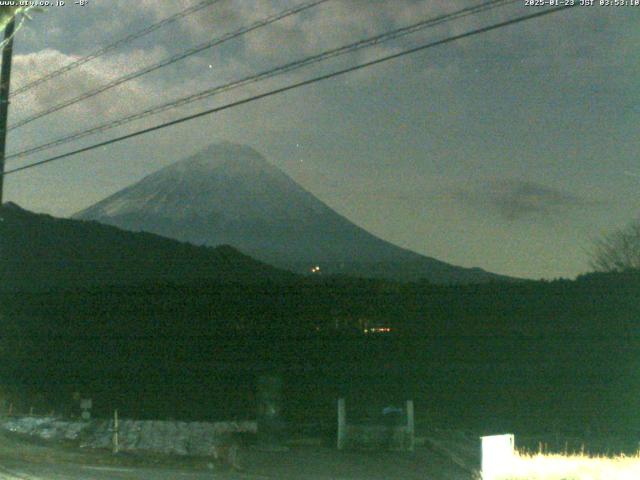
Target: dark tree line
(494, 355)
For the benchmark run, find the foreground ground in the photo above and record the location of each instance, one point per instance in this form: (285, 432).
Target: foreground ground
(446, 458)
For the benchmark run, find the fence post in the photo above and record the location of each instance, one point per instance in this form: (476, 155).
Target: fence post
(116, 445)
(342, 423)
(410, 427)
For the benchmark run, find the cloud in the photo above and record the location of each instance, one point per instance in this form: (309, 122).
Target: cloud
(327, 26)
(85, 78)
(114, 103)
(521, 200)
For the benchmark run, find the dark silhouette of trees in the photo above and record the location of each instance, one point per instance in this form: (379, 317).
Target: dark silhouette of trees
(618, 251)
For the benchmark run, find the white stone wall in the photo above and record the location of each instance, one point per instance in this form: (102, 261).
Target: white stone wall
(170, 437)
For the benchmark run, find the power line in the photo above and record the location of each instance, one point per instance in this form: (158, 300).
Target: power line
(295, 85)
(187, 53)
(123, 41)
(394, 34)
(267, 74)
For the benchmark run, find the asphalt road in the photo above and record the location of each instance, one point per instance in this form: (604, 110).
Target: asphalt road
(298, 464)
(446, 456)
(87, 472)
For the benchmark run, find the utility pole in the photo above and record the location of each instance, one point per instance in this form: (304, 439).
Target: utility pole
(5, 77)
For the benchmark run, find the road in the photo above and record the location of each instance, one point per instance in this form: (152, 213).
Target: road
(25, 459)
(299, 464)
(88, 472)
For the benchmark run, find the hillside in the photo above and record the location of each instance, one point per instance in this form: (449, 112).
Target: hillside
(40, 252)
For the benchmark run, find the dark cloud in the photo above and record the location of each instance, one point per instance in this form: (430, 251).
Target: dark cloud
(516, 200)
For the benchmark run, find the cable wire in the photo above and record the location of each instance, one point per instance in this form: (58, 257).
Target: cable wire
(123, 41)
(187, 53)
(394, 34)
(296, 85)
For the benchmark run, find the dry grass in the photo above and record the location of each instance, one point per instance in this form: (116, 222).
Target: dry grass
(545, 466)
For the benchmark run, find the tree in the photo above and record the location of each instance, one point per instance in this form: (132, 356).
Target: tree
(618, 251)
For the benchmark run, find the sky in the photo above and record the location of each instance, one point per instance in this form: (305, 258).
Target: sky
(510, 151)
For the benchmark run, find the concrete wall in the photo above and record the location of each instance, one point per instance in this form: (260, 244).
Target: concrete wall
(170, 437)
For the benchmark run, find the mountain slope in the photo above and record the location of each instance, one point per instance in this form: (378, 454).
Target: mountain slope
(40, 252)
(229, 194)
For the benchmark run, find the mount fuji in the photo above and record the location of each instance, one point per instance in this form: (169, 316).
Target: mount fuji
(230, 194)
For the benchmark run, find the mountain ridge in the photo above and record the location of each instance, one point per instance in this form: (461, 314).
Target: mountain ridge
(40, 252)
(230, 194)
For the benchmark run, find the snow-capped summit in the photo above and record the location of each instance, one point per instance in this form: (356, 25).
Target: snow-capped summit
(231, 158)
(230, 194)
(226, 181)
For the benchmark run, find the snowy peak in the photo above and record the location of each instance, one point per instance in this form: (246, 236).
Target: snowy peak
(225, 158)
(230, 194)
(224, 180)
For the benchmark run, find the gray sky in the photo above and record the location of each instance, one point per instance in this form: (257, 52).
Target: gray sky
(509, 151)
